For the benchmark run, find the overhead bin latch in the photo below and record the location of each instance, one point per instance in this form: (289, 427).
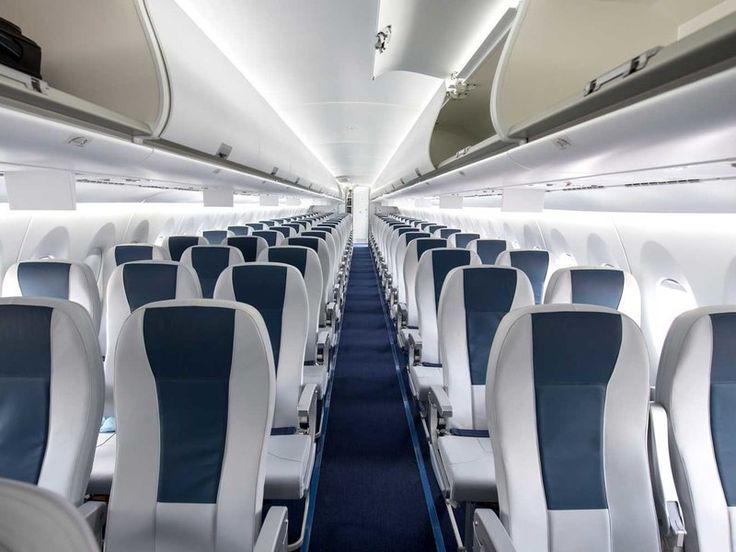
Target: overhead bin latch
(622, 71)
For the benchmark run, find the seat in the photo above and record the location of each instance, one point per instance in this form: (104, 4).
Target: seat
(277, 291)
(398, 262)
(567, 400)
(36, 520)
(296, 227)
(445, 233)
(286, 232)
(55, 279)
(51, 394)
(176, 245)
(129, 252)
(462, 239)
(425, 368)
(534, 263)
(474, 301)
(317, 350)
(239, 230)
(216, 237)
(132, 286)
(272, 237)
(434, 227)
(407, 313)
(250, 246)
(695, 383)
(255, 226)
(487, 249)
(208, 261)
(328, 313)
(602, 286)
(195, 392)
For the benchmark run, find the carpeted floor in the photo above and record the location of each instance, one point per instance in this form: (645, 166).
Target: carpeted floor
(370, 493)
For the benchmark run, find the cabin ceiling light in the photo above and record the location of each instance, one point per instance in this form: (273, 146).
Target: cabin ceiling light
(457, 88)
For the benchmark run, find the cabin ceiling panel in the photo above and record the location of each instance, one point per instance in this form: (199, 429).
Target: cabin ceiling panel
(314, 62)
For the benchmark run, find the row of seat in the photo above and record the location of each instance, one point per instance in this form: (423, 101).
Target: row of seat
(544, 410)
(183, 376)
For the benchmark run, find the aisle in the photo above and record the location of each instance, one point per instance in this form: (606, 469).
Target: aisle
(370, 493)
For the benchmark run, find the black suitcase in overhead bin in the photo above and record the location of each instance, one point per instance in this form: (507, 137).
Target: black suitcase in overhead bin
(17, 51)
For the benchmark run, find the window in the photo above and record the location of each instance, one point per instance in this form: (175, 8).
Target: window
(671, 299)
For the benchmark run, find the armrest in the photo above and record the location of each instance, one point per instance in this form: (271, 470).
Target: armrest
(402, 315)
(414, 345)
(665, 492)
(439, 400)
(273, 535)
(489, 534)
(331, 312)
(323, 346)
(94, 513)
(307, 408)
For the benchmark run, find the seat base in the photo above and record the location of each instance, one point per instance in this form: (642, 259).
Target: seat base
(469, 469)
(289, 466)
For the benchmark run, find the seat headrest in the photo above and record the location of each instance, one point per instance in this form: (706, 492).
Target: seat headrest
(534, 263)
(130, 252)
(249, 246)
(178, 244)
(208, 261)
(272, 237)
(32, 518)
(462, 239)
(602, 286)
(215, 237)
(239, 230)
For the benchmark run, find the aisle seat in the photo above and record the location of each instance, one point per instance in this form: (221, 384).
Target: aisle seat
(195, 393)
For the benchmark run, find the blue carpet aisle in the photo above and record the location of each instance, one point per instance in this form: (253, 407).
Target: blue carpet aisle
(370, 493)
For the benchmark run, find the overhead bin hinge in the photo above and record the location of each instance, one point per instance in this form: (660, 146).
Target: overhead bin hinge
(622, 71)
(383, 37)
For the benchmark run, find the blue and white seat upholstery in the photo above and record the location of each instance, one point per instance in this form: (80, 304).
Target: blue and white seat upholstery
(409, 313)
(487, 249)
(398, 262)
(296, 227)
(695, 385)
(602, 286)
(474, 301)
(425, 367)
(131, 286)
(272, 237)
(176, 245)
(255, 226)
(462, 239)
(445, 233)
(239, 230)
(195, 389)
(208, 261)
(567, 400)
(216, 237)
(250, 246)
(36, 520)
(534, 263)
(286, 231)
(316, 353)
(268, 223)
(68, 280)
(327, 313)
(277, 291)
(51, 394)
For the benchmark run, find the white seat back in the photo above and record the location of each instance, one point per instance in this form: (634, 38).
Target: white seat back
(176, 245)
(434, 266)
(414, 252)
(277, 291)
(567, 399)
(195, 398)
(474, 301)
(534, 263)
(51, 394)
(37, 520)
(605, 287)
(462, 239)
(133, 285)
(55, 279)
(208, 262)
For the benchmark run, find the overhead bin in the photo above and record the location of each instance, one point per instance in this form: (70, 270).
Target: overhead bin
(568, 60)
(97, 63)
